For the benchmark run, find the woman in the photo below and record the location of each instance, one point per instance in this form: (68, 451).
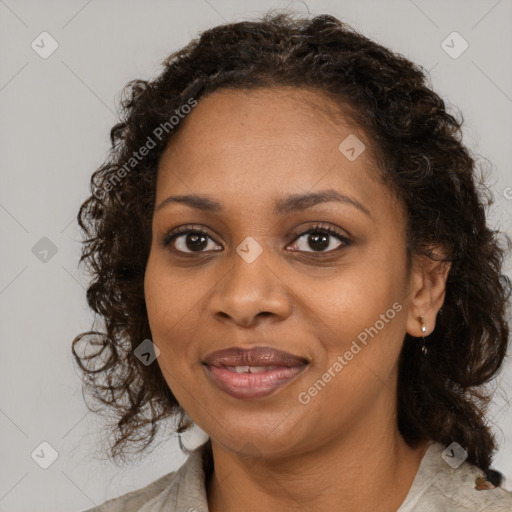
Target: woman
(289, 249)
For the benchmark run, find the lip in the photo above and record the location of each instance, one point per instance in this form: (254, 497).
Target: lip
(281, 369)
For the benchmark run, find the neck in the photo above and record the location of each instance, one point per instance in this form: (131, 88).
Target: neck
(363, 471)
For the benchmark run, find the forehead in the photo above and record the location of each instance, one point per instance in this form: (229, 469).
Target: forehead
(267, 140)
(274, 116)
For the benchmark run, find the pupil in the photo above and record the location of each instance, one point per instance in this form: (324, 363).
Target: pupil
(192, 242)
(321, 239)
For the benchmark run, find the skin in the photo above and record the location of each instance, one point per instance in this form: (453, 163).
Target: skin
(246, 149)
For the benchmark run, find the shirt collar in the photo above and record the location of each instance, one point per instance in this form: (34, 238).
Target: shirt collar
(187, 490)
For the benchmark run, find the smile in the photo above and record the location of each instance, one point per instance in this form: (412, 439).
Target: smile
(253, 373)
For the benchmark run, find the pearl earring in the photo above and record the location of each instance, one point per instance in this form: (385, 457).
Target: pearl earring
(423, 330)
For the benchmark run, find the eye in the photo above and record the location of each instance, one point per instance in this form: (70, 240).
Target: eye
(321, 239)
(188, 239)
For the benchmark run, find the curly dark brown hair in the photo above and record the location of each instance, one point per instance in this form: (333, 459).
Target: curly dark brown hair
(442, 396)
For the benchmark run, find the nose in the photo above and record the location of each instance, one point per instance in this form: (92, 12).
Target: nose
(249, 293)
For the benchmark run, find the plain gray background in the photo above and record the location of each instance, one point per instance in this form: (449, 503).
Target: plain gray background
(56, 114)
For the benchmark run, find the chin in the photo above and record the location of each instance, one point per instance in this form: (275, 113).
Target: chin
(256, 434)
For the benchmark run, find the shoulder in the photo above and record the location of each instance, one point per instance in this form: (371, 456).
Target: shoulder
(458, 493)
(134, 500)
(439, 487)
(167, 492)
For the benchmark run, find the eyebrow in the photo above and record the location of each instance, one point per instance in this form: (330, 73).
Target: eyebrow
(292, 203)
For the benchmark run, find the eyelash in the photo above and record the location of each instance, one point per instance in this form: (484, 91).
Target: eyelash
(319, 228)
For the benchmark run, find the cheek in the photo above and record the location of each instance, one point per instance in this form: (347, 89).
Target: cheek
(360, 346)
(170, 302)
(360, 312)
(170, 307)
(356, 297)
(170, 294)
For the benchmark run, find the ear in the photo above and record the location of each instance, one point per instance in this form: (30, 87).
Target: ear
(427, 291)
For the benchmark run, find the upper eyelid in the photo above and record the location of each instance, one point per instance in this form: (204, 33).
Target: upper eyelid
(172, 234)
(322, 227)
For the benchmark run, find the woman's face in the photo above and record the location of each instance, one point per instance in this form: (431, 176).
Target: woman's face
(338, 302)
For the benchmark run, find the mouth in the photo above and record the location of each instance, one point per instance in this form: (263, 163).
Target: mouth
(252, 373)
